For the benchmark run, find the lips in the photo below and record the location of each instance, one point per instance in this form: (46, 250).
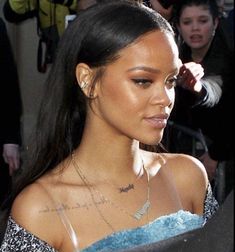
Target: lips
(158, 121)
(196, 38)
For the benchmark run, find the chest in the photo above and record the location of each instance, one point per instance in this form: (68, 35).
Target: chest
(97, 213)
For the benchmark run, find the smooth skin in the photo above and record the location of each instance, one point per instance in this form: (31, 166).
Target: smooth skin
(131, 103)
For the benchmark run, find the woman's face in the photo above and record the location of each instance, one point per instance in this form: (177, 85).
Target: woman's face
(136, 93)
(196, 26)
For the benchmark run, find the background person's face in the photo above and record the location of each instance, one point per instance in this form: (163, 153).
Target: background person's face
(196, 26)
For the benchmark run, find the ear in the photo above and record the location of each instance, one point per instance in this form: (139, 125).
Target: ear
(85, 76)
(216, 22)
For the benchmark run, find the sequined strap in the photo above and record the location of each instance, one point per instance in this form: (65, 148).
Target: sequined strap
(210, 204)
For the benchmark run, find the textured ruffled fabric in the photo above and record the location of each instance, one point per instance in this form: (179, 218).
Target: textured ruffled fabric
(160, 229)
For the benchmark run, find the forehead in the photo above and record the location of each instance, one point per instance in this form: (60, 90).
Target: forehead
(195, 10)
(155, 46)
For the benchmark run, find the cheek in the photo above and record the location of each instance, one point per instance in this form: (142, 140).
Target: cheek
(121, 109)
(185, 31)
(120, 95)
(208, 31)
(120, 99)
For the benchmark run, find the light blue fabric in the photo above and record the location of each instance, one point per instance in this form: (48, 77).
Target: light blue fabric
(160, 229)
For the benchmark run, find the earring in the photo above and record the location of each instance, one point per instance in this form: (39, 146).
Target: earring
(83, 85)
(213, 33)
(91, 96)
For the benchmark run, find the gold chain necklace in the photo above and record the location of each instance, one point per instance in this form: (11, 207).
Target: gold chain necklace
(125, 189)
(83, 178)
(137, 215)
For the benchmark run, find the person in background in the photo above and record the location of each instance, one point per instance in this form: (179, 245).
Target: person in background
(10, 112)
(163, 7)
(226, 23)
(225, 6)
(197, 22)
(110, 89)
(83, 4)
(191, 73)
(50, 14)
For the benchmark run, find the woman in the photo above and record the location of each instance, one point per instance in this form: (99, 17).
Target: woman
(198, 24)
(89, 185)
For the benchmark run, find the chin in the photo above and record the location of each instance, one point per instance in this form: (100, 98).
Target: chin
(153, 141)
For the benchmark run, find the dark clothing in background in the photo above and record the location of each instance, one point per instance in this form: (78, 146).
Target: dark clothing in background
(215, 122)
(10, 105)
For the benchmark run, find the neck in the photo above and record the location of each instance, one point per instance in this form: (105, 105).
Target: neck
(111, 158)
(104, 150)
(198, 54)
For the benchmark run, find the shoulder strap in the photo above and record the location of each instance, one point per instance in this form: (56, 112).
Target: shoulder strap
(64, 219)
(69, 228)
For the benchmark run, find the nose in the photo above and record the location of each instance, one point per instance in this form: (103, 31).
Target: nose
(194, 25)
(163, 96)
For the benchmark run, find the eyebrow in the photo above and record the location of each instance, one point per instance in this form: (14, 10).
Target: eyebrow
(149, 69)
(144, 68)
(201, 16)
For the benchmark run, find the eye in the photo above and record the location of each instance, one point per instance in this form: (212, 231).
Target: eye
(143, 82)
(171, 82)
(186, 22)
(203, 21)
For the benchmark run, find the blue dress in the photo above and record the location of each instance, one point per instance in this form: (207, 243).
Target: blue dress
(160, 229)
(18, 239)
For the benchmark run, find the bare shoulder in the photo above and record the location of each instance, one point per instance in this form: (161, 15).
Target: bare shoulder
(188, 175)
(181, 165)
(34, 210)
(186, 166)
(30, 202)
(190, 179)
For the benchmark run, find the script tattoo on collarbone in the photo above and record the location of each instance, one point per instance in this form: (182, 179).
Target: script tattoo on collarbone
(77, 205)
(126, 189)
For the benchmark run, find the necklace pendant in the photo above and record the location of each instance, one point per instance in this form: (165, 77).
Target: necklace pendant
(142, 211)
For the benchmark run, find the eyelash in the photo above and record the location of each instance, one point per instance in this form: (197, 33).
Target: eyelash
(143, 82)
(170, 83)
